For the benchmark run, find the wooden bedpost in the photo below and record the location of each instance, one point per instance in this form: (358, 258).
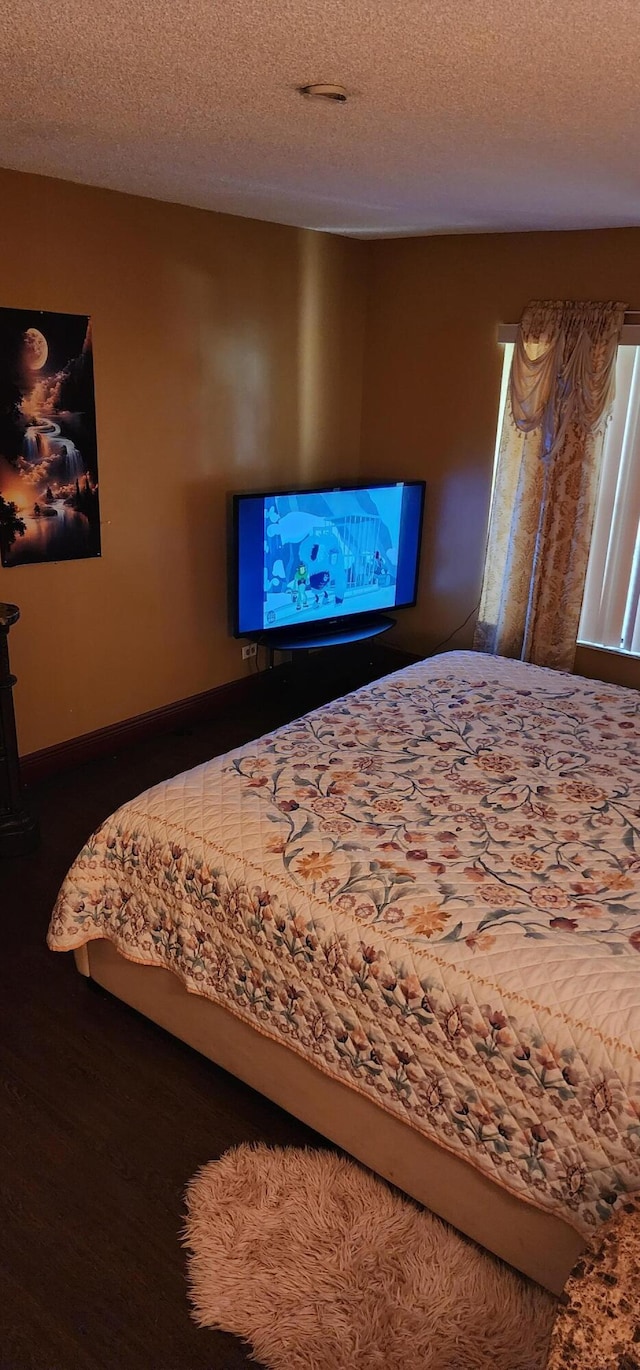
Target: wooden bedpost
(18, 828)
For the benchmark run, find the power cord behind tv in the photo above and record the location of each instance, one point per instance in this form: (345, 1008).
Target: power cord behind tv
(435, 650)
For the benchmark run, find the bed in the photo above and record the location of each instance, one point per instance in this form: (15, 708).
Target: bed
(412, 918)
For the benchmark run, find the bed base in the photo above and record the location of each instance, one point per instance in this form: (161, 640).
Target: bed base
(539, 1244)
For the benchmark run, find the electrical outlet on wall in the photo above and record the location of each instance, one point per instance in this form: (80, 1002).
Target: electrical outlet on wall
(249, 651)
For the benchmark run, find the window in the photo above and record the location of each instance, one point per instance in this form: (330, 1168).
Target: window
(507, 359)
(611, 605)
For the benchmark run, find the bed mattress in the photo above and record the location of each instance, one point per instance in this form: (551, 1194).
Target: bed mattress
(431, 890)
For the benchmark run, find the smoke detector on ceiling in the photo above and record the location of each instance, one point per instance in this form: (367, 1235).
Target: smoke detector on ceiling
(323, 90)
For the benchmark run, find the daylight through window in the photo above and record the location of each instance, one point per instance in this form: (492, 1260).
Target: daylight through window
(611, 605)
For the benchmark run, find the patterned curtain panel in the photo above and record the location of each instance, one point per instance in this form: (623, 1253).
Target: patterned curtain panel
(561, 390)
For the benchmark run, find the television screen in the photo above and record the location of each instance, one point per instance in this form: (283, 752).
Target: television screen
(313, 557)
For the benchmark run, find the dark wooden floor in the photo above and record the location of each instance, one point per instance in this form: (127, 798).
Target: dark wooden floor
(104, 1117)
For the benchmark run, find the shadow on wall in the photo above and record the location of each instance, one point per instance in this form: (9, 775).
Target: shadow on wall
(275, 397)
(454, 532)
(205, 505)
(330, 360)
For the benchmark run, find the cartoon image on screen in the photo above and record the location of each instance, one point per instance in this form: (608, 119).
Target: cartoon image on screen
(329, 554)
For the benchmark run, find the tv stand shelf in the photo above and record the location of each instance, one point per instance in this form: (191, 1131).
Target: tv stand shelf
(294, 640)
(314, 676)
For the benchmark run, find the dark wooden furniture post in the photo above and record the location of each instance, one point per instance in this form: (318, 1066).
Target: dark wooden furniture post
(18, 829)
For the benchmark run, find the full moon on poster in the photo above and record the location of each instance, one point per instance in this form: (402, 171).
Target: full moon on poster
(49, 509)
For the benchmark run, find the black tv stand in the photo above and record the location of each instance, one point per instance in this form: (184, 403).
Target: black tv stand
(301, 639)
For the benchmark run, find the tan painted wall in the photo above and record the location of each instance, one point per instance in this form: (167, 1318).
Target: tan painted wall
(227, 356)
(431, 387)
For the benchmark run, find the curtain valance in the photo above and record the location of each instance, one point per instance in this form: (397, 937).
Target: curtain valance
(563, 368)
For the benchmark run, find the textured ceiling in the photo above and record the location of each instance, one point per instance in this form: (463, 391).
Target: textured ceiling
(464, 115)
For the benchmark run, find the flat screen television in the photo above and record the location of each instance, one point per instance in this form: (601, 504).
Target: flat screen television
(328, 561)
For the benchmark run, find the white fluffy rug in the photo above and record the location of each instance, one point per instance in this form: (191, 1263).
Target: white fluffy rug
(318, 1265)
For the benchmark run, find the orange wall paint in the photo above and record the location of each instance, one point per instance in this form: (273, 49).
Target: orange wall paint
(228, 355)
(431, 387)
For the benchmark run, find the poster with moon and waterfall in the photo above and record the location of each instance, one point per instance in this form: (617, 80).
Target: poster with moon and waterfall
(49, 509)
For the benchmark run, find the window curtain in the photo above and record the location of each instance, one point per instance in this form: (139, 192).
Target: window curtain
(561, 390)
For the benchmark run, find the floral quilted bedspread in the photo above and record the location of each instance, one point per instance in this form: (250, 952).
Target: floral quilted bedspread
(429, 888)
